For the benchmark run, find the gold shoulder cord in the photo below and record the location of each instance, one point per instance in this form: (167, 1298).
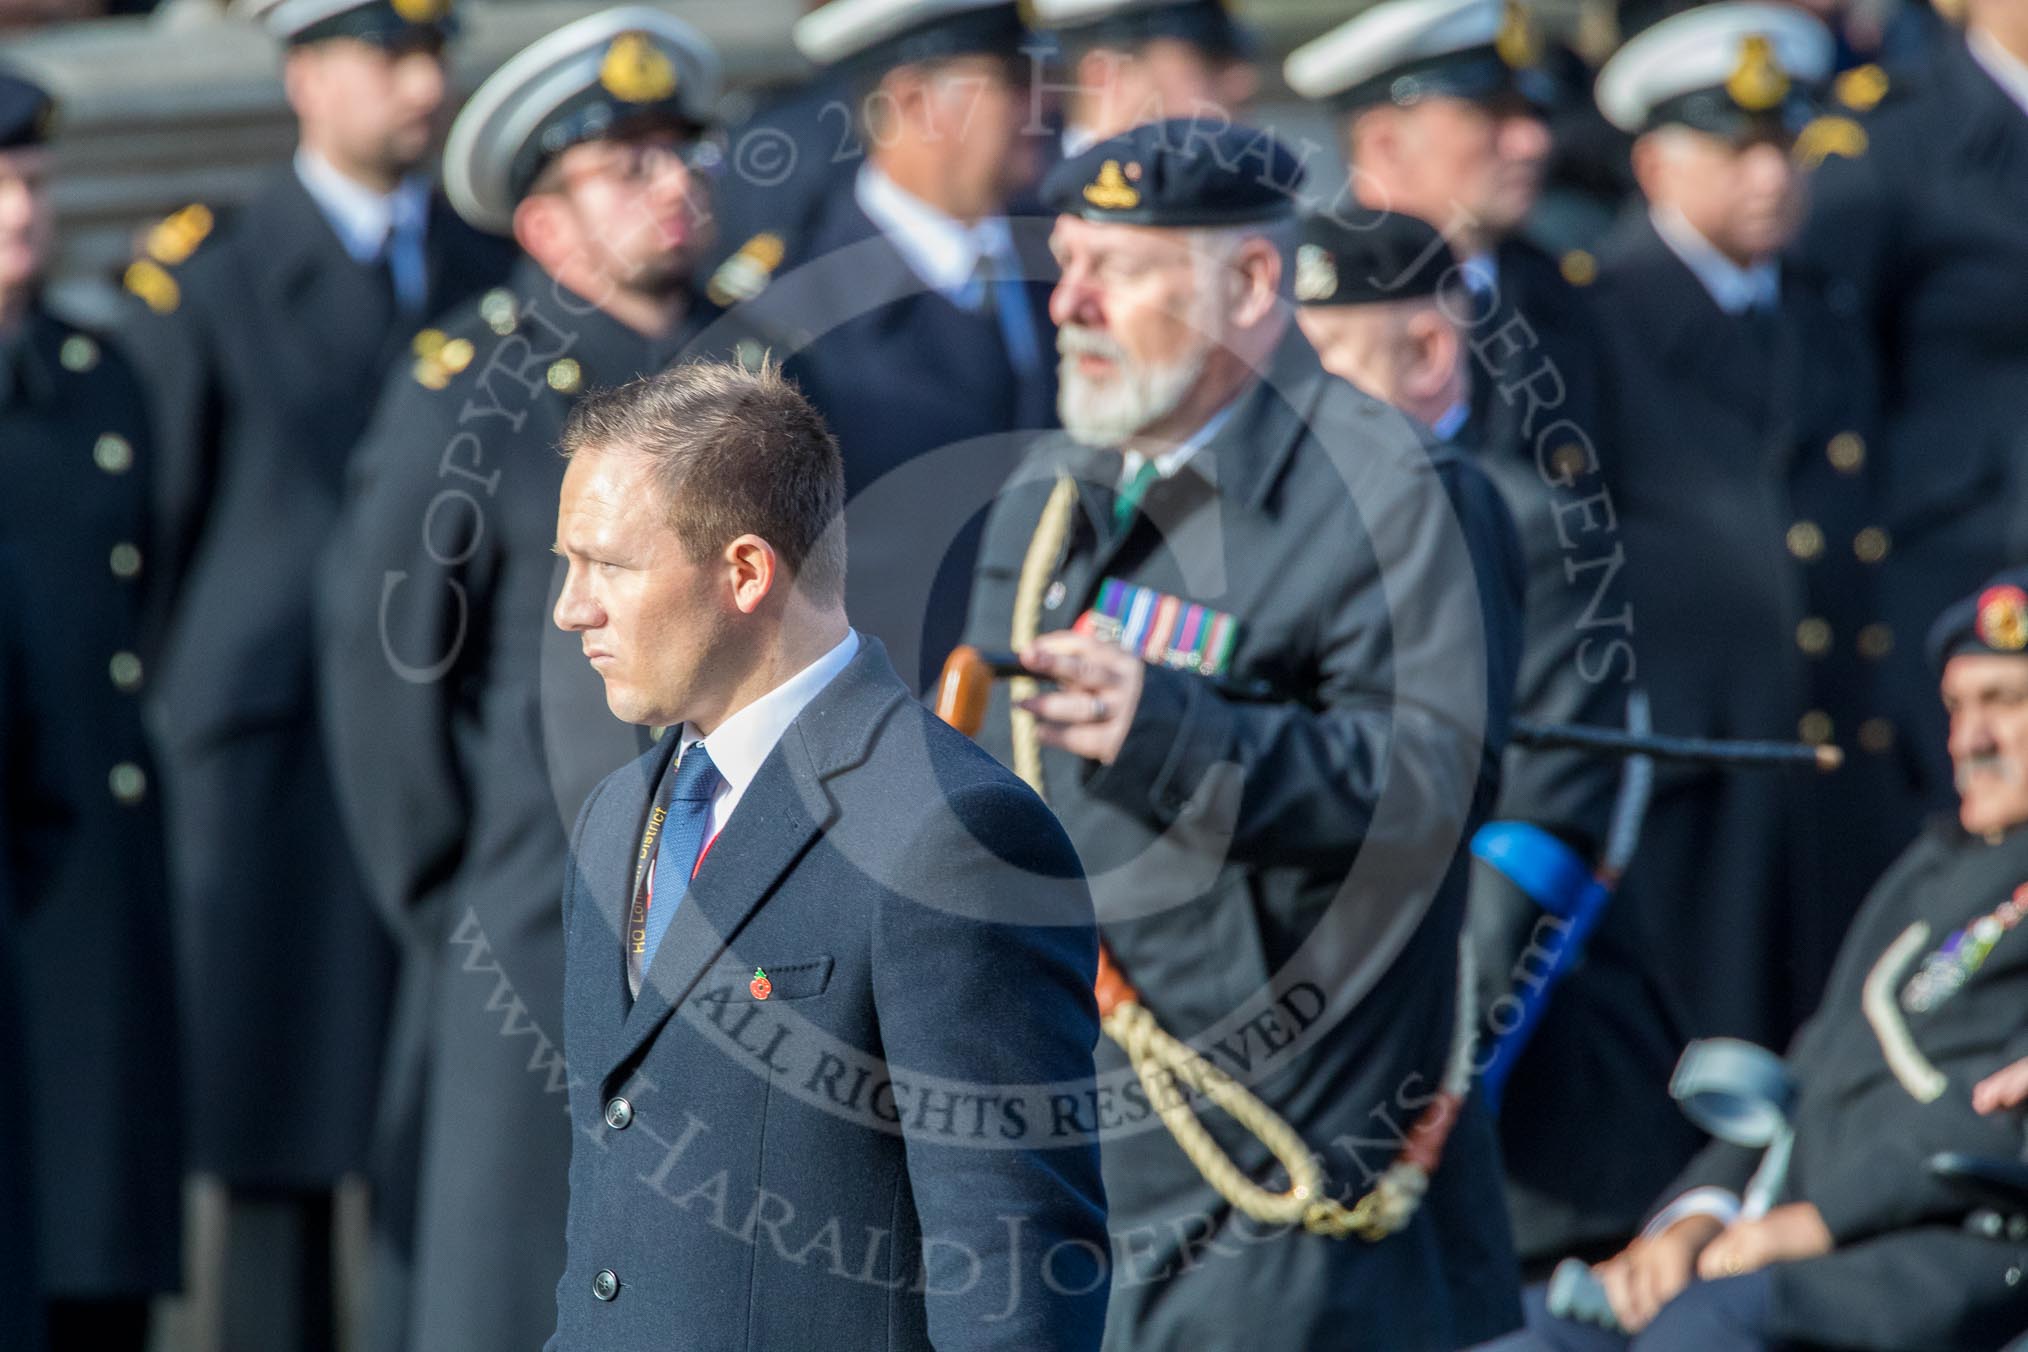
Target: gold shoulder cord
(1161, 1061)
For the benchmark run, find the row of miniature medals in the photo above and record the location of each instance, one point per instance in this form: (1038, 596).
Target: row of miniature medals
(1946, 970)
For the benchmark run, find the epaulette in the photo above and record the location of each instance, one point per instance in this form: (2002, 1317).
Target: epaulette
(168, 244)
(747, 273)
(440, 355)
(1824, 137)
(1861, 88)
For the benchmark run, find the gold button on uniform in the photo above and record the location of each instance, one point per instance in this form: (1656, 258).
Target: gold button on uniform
(1806, 540)
(565, 375)
(1814, 727)
(78, 354)
(1876, 735)
(1847, 452)
(125, 560)
(1813, 636)
(126, 672)
(113, 453)
(1871, 544)
(1875, 642)
(129, 783)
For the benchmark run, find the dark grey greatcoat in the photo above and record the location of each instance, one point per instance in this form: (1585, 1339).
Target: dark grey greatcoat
(1261, 868)
(1902, 1273)
(466, 730)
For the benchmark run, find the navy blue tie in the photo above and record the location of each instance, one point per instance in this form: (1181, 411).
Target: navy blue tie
(688, 802)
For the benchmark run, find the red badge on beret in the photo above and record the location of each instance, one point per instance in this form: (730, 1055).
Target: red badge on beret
(2003, 618)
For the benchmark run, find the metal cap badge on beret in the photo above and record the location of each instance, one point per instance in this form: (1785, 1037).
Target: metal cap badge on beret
(27, 112)
(1206, 24)
(1182, 172)
(1993, 620)
(1730, 69)
(297, 22)
(872, 36)
(1405, 51)
(616, 69)
(1363, 257)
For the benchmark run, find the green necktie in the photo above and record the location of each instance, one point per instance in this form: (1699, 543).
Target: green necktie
(1131, 494)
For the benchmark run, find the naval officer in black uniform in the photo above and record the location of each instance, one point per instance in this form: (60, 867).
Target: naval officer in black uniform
(465, 730)
(1864, 1248)
(262, 342)
(901, 306)
(21, 1315)
(1919, 217)
(1440, 105)
(1278, 863)
(1753, 557)
(84, 865)
(1373, 294)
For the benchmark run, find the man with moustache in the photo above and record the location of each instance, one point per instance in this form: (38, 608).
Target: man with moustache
(1735, 385)
(1372, 290)
(464, 729)
(1283, 631)
(1439, 101)
(1127, 62)
(901, 308)
(262, 343)
(1865, 1248)
(809, 870)
(81, 868)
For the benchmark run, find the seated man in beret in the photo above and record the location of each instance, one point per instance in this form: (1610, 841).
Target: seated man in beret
(1865, 1248)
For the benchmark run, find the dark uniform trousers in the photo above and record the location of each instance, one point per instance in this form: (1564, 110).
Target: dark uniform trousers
(1754, 565)
(1260, 867)
(263, 355)
(86, 867)
(929, 407)
(1921, 234)
(466, 729)
(1903, 1271)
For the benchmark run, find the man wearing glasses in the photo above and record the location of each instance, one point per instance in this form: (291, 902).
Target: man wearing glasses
(465, 729)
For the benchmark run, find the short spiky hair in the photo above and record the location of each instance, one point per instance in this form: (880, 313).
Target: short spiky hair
(736, 451)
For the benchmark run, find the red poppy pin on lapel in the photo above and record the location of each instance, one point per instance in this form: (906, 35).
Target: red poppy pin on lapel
(760, 985)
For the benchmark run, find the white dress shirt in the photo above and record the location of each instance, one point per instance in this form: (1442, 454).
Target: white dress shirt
(940, 249)
(744, 740)
(367, 222)
(1732, 288)
(1179, 455)
(2008, 70)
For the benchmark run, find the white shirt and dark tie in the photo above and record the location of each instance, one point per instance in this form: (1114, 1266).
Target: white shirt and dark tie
(1734, 289)
(974, 266)
(711, 775)
(375, 228)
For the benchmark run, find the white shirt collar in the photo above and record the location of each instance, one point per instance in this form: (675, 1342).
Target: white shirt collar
(743, 741)
(1179, 455)
(1732, 288)
(941, 250)
(362, 217)
(2007, 69)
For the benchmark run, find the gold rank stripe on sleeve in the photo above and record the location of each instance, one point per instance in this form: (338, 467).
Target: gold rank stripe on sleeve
(168, 244)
